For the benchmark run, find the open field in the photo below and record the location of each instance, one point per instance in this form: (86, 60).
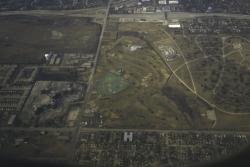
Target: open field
(141, 105)
(176, 80)
(25, 39)
(232, 122)
(36, 144)
(154, 97)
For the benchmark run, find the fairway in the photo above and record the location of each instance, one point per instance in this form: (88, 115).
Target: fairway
(111, 84)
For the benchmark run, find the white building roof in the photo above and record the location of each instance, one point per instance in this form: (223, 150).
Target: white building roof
(174, 25)
(162, 2)
(173, 2)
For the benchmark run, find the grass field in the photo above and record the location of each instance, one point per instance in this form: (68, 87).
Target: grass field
(46, 146)
(111, 84)
(151, 100)
(25, 39)
(232, 122)
(155, 97)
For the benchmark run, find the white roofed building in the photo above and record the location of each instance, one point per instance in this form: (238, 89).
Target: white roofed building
(174, 25)
(173, 2)
(162, 2)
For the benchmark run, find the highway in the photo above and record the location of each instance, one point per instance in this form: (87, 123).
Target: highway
(188, 15)
(176, 15)
(100, 13)
(93, 130)
(82, 130)
(93, 12)
(31, 129)
(149, 16)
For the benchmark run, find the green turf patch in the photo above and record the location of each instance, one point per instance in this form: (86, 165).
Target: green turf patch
(111, 84)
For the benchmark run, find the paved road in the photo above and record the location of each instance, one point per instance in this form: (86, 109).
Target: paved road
(162, 131)
(98, 49)
(82, 130)
(176, 15)
(188, 15)
(35, 129)
(98, 12)
(150, 16)
(90, 83)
